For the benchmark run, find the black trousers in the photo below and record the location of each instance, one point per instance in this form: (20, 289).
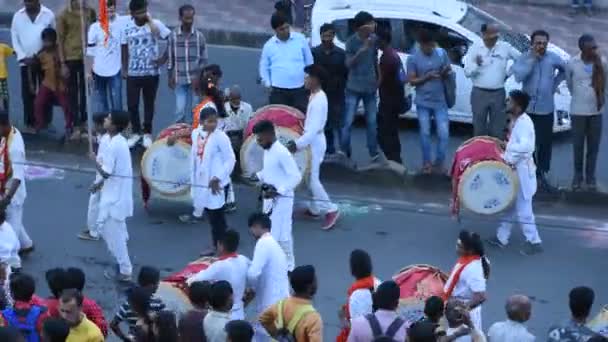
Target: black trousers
(335, 111)
(147, 86)
(76, 90)
(543, 126)
(217, 220)
(297, 98)
(586, 130)
(388, 131)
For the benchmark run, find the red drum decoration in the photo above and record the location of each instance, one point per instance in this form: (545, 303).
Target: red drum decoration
(280, 115)
(417, 284)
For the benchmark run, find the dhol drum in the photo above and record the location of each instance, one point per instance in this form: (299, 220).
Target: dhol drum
(481, 181)
(252, 155)
(280, 115)
(417, 284)
(600, 323)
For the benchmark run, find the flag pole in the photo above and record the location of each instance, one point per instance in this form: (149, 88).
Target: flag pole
(83, 34)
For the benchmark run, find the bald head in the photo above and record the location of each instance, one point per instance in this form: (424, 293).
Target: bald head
(490, 34)
(519, 308)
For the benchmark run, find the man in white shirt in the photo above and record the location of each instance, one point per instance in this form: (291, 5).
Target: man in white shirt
(519, 154)
(279, 178)
(268, 271)
(104, 61)
(12, 180)
(519, 310)
(486, 65)
(231, 267)
(314, 136)
(116, 202)
(26, 33)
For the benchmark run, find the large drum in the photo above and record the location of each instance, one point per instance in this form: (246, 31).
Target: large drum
(252, 155)
(417, 284)
(280, 115)
(481, 181)
(600, 323)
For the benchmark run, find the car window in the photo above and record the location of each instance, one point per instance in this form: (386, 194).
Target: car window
(454, 43)
(345, 29)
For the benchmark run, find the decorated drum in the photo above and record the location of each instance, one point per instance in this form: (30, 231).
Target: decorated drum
(167, 168)
(481, 181)
(600, 323)
(252, 154)
(280, 115)
(417, 284)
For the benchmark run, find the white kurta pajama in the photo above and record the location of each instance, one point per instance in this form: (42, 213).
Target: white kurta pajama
(116, 200)
(471, 281)
(9, 246)
(281, 171)
(314, 136)
(233, 270)
(519, 153)
(268, 276)
(93, 224)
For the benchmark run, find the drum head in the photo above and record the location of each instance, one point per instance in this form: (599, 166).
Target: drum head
(280, 115)
(488, 187)
(417, 283)
(600, 323)
(252, 155)
(497, 141)
(167, 168)
(174, 298)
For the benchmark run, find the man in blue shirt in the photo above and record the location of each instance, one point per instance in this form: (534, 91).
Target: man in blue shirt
(284, 57)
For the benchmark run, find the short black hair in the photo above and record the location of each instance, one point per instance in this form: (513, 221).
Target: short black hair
(581, 301)
(316, 71)
(98, 118)
(521, 98)
(22, 286)
(384, 35)
(422, 331)
(148, 276)
(540, 33)
(139, 297)
(110, 3)
(5, 119)
(277, 20)
(184, 8)
(76, 278)
(231, 240)
(199, 292)
(425, 36)
(434, 307)
(11, 334)
(301, 278)
(215, 69)
(259, 219)
(484, 27)
(327, 27)
(69, 295)
(220, 293)
(263, 126)
(362, 18)
(360, 264)
(56, 329)
(584, 39)
(120, 119)
(56, 279)
(207, 112)
(137, 5)
(386, 296)
(49, 34)
(239, 331)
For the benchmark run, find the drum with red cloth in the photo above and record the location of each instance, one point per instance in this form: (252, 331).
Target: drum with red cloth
(600, 323)
(279, 115)
(417, 284)
(481, 181)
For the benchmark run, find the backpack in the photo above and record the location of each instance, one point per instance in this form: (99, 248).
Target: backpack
(286, 333)
(391, 331)
(25, 323)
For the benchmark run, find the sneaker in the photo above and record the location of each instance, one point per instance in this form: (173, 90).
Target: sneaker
(591, 184)
(86, 235)
(577, 183)
(147, 142)
(74, 134)
(133, 140)
(330, 220)
(495, 242)
(308, 214)
(427, 169)
(119, 277)
(190, 219)
(545, 186)
(230, 207)
(531, 248)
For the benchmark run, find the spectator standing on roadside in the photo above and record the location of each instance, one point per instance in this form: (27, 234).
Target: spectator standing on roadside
(5, 52)
(486, 65)
(333, 60)
(141, 62)
(104, 61)
(69, 33)
(587, 4)
(81, 328)
(426, 68)
(586, 76)
(540, 72)
(284, 57)
(580, 301)
(187, 52)
(392, 78)
(26, 32)
(519, 310)
(362, 83)
(238, 114)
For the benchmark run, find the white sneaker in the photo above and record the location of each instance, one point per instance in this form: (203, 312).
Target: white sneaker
(133, 140)
(147, 140)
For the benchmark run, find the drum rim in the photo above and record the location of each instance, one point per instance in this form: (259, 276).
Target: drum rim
(421, 266)
(488, 138)
(492, 162)
(293, 110)
(147, 178)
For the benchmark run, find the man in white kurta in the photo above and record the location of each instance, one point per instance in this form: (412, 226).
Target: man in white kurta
(281, 172)
(519, 153)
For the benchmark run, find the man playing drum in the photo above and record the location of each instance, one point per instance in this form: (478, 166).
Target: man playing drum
(519, 154)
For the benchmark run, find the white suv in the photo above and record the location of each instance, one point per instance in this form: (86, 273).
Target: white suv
(458, 25)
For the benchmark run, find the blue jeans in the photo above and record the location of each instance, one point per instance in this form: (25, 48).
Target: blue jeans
(442, 123)
(108, 93)
(184, 97)
(577, 3)
(351, 102)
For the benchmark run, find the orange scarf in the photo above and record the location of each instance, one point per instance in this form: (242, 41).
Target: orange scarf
(196, 112)
(463, 262)
(363, 283)
(104, 21)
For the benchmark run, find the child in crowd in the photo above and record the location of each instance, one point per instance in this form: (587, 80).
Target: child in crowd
(5, 52)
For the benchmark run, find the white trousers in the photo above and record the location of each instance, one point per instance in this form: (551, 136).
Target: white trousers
(14, 216)
(320, 202)
(475, 315)
(93, 224)
(287, 247)
(282, 220)
(230, 197)
(115, 234)
(521, 213)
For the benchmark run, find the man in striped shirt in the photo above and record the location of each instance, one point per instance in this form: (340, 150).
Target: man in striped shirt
(187, 53)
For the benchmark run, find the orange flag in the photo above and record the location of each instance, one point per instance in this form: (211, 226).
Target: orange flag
(104, 20)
